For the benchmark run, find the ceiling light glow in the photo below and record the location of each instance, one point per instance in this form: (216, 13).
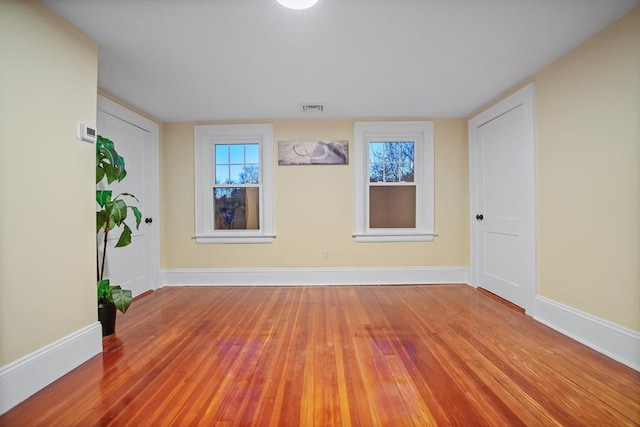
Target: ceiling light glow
(297, 4)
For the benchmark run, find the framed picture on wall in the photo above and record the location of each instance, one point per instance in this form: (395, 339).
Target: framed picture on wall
(313, 153)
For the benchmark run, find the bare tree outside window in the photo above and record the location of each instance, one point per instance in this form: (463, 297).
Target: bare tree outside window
(250, 175)
(391, 161)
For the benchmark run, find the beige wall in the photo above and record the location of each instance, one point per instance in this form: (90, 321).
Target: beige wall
(588, 136)
(314, 207)
(48, 78)
(588, 175)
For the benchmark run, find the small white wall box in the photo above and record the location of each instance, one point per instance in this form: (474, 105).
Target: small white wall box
(86, 133)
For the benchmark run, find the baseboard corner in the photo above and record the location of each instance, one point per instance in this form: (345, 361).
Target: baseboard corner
(615, 341)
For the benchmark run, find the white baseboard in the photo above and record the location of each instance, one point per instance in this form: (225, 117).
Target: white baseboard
(314, 276)
(612, 340)
(26, 376)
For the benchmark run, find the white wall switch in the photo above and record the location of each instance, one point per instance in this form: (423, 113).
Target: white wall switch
(86, 133)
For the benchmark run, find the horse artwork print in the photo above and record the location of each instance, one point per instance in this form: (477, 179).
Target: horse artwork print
(313, 153)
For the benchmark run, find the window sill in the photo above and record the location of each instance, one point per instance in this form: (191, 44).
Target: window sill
(234, 239)
(413, 237)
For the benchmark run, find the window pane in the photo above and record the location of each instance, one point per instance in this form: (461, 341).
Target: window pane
(236, 208)
(390, 172)
(392, 152)
(376, 172)
(392, 206)
(376, 165)
(236, 174)
(376, 151)
(251, 174)
(252, 153)
(406, 152)
(222, 154)
(236, 153)
(222, 174)
(406, 172)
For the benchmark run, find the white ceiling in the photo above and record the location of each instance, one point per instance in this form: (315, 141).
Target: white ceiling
(253, 59)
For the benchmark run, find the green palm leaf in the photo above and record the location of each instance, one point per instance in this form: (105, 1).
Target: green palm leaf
(125, 237)
(118, 211)
(103, 197)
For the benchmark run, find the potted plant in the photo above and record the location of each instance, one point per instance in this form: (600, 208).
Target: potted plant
(109, 218)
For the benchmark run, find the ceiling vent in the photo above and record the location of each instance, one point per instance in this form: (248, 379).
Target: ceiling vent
(312, 108)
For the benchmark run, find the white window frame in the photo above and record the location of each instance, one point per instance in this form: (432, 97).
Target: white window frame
(206, 137)
(421, 132)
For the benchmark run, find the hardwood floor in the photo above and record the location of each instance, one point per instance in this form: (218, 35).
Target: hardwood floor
(335, 356)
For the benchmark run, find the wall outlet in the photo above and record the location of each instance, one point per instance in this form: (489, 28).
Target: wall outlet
(327, 254)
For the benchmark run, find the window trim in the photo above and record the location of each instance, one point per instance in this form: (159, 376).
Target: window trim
(421, 132)
(205, 138)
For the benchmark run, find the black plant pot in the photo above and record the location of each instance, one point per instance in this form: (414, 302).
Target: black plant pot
(107, 316)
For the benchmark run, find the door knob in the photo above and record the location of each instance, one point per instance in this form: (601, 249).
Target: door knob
(148, 220)
(479, 217)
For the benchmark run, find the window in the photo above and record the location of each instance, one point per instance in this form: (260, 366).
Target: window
(394, 181)
(233, 165)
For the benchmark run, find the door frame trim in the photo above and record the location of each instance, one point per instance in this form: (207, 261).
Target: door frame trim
(116, 110)
(522, 98)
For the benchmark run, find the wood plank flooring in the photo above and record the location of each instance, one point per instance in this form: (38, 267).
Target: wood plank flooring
(335, 356)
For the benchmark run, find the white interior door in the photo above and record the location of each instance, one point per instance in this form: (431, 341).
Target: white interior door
(136, 266)
(503, 199)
